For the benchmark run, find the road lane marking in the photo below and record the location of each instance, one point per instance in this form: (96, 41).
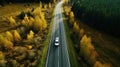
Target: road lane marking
(53, 30)
(58, 56)
(65, 40)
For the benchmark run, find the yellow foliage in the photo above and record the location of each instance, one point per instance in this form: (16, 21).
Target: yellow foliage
(45, 6)
(85, 40)
(9, 36)
(93, 56)
(12, 20)
(49, 5)
(86, 47)
(8, 44)
(3, 63)
(84, 51)
(71, 17)
(71, 14)
(98, 64)
(40, 4)
(66, 13)
(26, 18)
(31, 21)
(76, 27)
(23, 22)
(29, 47)
(42, 15)
(65, 1)
(17, 36)
(44, 23)
(37, 11)
(81, 32)
(38, 23)
(1, 39)
(54, 1)
(1, 55)
(30, 35)
(5, 42)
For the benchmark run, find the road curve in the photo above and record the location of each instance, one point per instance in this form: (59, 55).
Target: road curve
(58, 56)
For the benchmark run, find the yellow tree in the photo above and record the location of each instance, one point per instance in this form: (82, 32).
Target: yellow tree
(71, 14)
(37, 25)
(98, 64)
(93, 55)
(2, 56)
(8, 44)
(31, 21)
(45, 6)
(12, 20)
(5, 42)
(66, 1)
(9, 36)
(50, 6)
(44, 23)
(81, 32)
(30, 35)
(54, 1)
(71, 17)
(40, 4)
(17, 36)
(26, 18)
(37, 11)
(25, 21)
(85, 45)
(76, 27)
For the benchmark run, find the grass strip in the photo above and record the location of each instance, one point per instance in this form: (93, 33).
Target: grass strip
(72, 55)
(46, 46)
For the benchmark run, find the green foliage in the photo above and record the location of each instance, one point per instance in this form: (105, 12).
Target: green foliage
(21, 15)
(24, 1)
(101, 14)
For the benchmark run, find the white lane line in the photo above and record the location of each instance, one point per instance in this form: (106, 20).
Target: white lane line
(59, 39)
(65, 40)
(53, 30)
(58, 56)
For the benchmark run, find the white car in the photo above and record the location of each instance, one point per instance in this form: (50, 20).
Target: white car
(57, 41)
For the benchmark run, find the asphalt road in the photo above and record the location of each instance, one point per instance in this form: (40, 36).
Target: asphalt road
(58, 56)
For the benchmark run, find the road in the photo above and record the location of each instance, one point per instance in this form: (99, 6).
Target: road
(58, 56)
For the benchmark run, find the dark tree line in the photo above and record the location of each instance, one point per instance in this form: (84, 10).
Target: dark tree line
(101, 14)
(23, 1)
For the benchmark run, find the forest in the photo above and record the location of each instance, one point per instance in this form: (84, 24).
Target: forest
(2, 2)
(101, 14)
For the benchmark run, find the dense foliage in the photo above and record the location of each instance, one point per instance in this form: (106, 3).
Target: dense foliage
(101, 14)
(5, 1)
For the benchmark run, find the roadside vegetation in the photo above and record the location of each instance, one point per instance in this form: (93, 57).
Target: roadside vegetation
(100, 14)
(22, 40)
(72, 55)
(93, 48)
